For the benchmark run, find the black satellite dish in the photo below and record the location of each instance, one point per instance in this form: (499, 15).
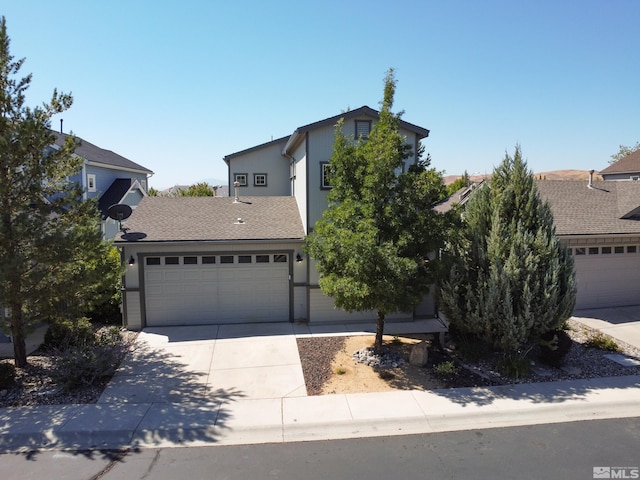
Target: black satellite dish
(119, 211)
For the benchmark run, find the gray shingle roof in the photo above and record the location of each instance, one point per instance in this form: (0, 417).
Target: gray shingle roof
(92, 153)
(628, 164)
(164, 219)
(580, 210)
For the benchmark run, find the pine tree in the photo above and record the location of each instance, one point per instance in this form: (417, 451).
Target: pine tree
(50, 241)
(371, 244)
(509, 278)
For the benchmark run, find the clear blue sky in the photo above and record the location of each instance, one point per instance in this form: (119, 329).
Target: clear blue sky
(177, 85)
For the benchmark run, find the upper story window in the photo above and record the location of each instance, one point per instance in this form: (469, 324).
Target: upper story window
(241, 178)
(325, 181)
(91, 183)
(363, 129)
(259, 179)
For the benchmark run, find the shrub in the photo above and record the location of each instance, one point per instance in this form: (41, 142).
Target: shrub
(554, 347)
(76, 332)
(602, 342)
(515, 367)
(7, 375)
(445, 369)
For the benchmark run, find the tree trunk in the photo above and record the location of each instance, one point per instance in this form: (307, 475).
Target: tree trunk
(377, 346)
(17, 332)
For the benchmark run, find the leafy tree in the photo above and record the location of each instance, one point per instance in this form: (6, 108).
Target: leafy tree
(509, 280)
(623, 152)
(50, 239)
(198, 190)
(372, 241)
(152, 192)
(463, 181)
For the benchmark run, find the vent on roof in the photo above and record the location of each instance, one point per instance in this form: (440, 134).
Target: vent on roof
(239, 221)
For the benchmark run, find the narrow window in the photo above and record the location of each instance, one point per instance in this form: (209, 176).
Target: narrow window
(241, 178)
(326, 175)
(260, 180)
(244, 258)
(91, 183)
(593, 250)
(208, 260)
(262, 258)
(226, 259)
(606, 250)
(618, 250)
(153, 260)
(631, 249)
(280, 258)
(190, 260)
(172, 260)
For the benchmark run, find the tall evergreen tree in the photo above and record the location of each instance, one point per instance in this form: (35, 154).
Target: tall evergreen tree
(509, 279)
(49, 238)
(371, 244)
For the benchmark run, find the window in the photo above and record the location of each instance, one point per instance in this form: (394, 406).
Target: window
(260, 180)
(606, 250)
(631, 249)
(153, 260)
(190, 260)
(580, 251)
(172, 260)
(326, 175)
(280, 258)
(363, 128)
(262, 258)
(208, 260)
(244, 258)
(241, 178)
(593, 250)
(91, 183)
(618, 249)
(226, 259)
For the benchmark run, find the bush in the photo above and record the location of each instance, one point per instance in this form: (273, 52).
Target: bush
(445, 369)
(7, 375)
(554, 347)
(83, 365)
(63, 333)
(602, 342)
(515, 367)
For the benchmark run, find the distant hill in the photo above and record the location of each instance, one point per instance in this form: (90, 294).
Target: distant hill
(553, 175)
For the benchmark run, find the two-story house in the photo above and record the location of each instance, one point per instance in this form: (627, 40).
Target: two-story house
(627, 168)
(239, 258)
(109, 177)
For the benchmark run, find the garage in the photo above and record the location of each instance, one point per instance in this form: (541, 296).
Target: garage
(216, 288)
(607, 276)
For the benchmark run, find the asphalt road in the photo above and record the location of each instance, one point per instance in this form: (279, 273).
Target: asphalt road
(556, 451)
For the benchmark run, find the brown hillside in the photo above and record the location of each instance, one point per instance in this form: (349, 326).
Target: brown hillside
(553, 175)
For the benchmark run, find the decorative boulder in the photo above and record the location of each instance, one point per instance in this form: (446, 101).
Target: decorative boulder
(419, 354)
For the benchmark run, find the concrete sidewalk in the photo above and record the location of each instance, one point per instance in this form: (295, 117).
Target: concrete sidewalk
(242, 384)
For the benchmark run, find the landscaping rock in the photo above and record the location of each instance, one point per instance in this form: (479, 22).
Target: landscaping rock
(419, 354)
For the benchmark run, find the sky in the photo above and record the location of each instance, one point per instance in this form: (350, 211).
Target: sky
(177, 85)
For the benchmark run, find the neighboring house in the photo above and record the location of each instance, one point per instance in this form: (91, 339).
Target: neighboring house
(627, 168)
(239, 258)
(600, 223)
(110, 178)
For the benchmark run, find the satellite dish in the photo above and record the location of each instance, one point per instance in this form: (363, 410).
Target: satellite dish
(119, 211)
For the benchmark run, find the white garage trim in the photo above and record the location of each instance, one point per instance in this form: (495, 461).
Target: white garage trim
(216, 287)
(607, 275)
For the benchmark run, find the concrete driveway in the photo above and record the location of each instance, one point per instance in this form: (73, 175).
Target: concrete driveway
(621, 323)
(209, 363)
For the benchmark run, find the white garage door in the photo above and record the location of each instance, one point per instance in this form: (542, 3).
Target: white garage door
(208, 289)
(607, 276)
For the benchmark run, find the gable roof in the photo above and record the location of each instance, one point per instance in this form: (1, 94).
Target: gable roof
(165, 219)
(580, 210)
(282, 140)
(628, 164)
(98, 155)
(115, 193)
(331, 121)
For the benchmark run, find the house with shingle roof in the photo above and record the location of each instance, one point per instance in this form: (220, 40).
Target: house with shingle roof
(599, 221)
(236, 259)
(627, 168)
(109, 177)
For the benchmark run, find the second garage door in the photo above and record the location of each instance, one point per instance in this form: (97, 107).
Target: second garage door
(210, 289)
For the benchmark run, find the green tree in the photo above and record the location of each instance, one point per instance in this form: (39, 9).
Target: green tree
(623, 152)
(371, 244)
(202, 189)
(49, 237)
(509, 280)
(463, 181)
